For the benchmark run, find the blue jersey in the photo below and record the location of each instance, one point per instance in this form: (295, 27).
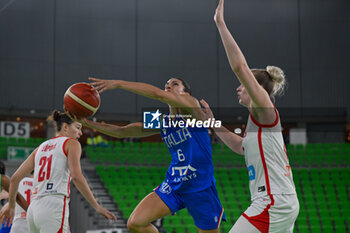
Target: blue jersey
(191, 167)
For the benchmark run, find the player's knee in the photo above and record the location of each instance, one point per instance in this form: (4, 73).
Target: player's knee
(132, 224)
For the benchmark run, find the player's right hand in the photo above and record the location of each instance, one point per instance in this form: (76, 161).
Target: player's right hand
(102, 85)
(208, 113)
(106, 213)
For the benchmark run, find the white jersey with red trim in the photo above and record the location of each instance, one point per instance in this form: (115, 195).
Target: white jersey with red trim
(51, 172)
(25, 189)
(266, 159)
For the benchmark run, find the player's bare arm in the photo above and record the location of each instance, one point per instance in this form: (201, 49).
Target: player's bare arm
(233, 141)
(73, 149)
(181, 100)
(239, 64)
(130, 130)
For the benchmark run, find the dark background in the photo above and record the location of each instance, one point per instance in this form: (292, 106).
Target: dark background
(47, 45)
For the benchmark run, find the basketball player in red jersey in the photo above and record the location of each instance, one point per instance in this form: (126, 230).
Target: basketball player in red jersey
(55, 162)
(275, 205)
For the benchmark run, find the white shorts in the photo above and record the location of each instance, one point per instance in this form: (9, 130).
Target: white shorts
(269, 215)
(48, 214)
(19, 225)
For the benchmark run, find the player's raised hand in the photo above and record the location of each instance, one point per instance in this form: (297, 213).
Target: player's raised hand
(219, 13)
(102, 85)
(106, 213)
(208, 113)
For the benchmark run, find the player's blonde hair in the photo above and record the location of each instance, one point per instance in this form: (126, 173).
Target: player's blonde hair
(272, 79)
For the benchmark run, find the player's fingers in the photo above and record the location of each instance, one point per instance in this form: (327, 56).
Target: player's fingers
(6, 221)
(94, 79)
(113, 217)
(102, 90)
(95, 85)
(204, 103)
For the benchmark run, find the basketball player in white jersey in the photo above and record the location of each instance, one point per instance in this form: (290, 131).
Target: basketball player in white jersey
(55, 162)
(19, 223)
(275, 206)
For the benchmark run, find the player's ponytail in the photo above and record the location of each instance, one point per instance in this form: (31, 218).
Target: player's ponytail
(272, 79)
(278, 78)
(59, 118)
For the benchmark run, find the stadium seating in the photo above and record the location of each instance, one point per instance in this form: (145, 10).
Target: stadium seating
(323, 195)
(6, 142)
(146, 153)
(320, 171)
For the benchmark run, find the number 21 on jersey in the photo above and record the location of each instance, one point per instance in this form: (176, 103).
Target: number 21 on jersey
(45, 168)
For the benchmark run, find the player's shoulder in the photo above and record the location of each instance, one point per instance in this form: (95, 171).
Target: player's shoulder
(72, 142)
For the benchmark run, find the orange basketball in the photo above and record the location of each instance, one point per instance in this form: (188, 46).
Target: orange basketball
(81, 101)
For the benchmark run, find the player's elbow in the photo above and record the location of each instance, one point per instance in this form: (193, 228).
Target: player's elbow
(76, 177)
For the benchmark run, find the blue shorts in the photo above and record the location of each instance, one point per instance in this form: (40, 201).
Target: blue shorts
(5, 229)
(204, 206)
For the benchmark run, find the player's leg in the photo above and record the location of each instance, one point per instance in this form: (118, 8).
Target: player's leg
(256, 218)
(208, 231)
(52, 214)
(30, 217)
(20, 226)
(242, 225)
(284, 213)
(149, 209)
(205, 209)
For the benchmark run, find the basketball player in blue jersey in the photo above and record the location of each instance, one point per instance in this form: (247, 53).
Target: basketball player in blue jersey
(189, 181)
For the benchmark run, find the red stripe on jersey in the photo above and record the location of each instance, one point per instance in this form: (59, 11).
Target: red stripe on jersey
(262, 221)
(63, 215)
(262, 156)
(266, 126)
(64, 151)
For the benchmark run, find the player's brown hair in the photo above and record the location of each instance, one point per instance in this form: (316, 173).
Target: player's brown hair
(187, 87)
(59, 118)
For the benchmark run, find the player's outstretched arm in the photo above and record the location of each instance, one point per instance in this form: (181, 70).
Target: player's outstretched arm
(73, 149)
(233, 141)
(131, 130)
(147, 90)
(238, 62)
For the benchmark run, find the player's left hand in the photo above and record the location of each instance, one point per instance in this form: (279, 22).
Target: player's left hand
(106, 213)
(6, 215)
(219, 13)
